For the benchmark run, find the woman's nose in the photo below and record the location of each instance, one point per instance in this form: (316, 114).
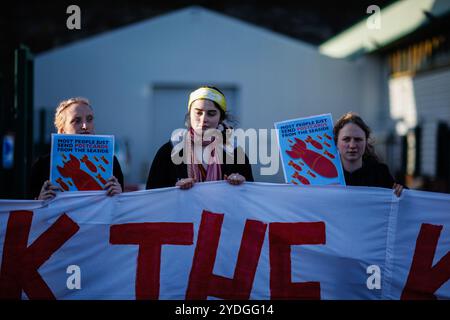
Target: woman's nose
(203, 119)
(84, 126)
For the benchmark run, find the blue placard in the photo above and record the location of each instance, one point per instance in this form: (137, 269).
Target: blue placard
(81, 162)
(308, 152)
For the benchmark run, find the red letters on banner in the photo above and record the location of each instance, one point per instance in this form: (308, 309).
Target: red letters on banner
(20, 263)
(150, 237)
(424, 278)
(281, 237)
(202, 281)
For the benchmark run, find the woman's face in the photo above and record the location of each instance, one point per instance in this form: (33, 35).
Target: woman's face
(351, 142)
(79, 119)
(204, 115)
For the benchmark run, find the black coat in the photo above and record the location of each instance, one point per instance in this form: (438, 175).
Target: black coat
(371, 174)
(40, 172)
(164, 173)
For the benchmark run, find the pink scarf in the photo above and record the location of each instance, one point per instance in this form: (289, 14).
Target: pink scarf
(195, 167)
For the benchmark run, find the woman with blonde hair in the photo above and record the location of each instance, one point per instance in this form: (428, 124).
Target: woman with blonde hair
(72, 116)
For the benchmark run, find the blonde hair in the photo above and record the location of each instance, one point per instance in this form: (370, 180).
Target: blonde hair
(63, 105)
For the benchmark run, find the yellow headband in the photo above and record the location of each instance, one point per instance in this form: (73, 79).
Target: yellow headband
(209, 94)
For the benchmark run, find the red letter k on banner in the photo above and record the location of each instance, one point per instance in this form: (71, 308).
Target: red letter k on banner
(424, 278)
(20, 263)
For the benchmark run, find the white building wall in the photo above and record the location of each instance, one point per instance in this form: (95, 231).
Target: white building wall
(432, 94)
(277, 78)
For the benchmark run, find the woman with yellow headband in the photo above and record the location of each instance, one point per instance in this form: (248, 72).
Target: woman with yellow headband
(198, 154)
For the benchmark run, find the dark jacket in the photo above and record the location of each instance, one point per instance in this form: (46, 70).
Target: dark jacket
(164, 173)
(371, 174)
(40, 172)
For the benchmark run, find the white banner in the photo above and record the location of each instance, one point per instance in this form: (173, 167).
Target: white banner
(217, 241)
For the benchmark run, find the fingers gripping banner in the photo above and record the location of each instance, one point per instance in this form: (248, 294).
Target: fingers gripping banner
(216, 241)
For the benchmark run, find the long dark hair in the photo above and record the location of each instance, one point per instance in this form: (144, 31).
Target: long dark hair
(352, 117)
